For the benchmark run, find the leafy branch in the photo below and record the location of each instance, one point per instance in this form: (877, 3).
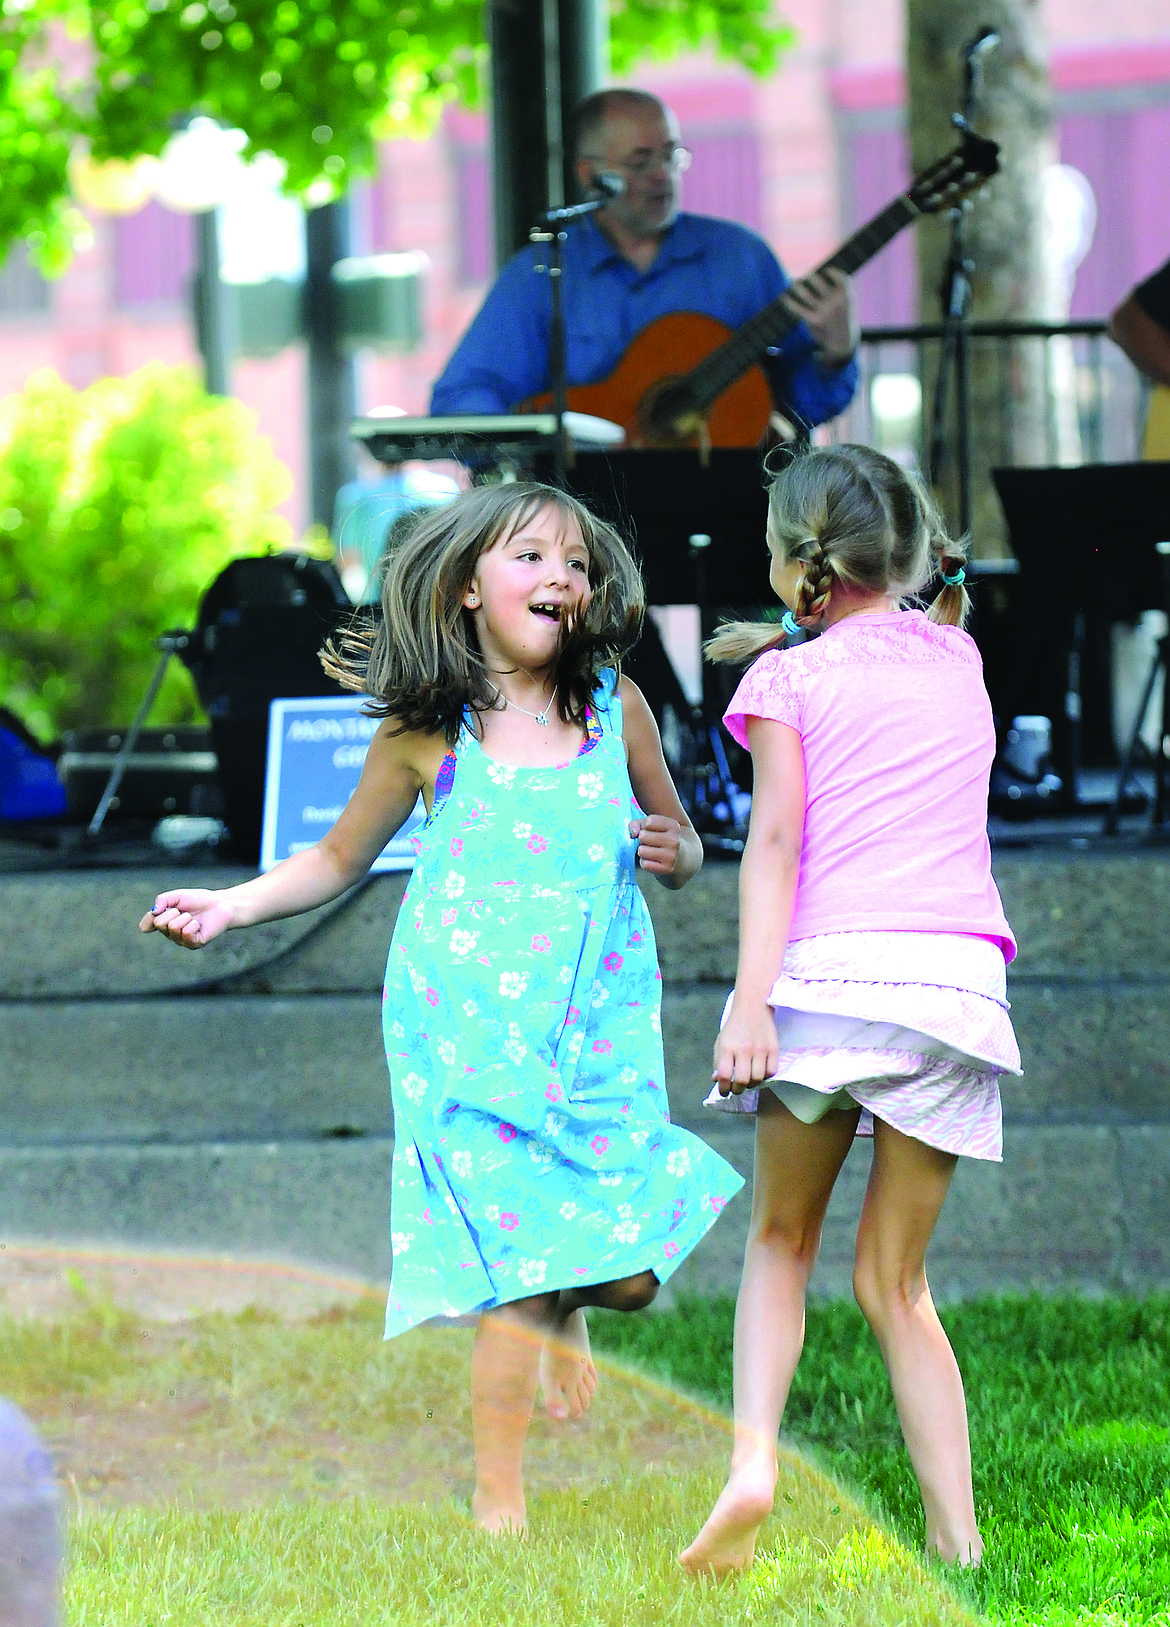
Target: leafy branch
(317, 82)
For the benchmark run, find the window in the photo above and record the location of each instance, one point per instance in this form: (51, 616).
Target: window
(1122, 153)
(724, 177)
(1119, 149)
(876, 170)
(474, 257)
(154, 257)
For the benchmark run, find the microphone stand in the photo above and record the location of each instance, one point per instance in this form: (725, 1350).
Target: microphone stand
(552, 239)
(956, 303)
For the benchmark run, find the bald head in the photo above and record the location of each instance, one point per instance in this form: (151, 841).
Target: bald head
(638, 136)
(592, 114)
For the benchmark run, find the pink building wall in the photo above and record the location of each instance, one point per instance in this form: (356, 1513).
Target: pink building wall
(802, 156)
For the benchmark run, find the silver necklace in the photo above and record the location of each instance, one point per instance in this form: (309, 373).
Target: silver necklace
(539, 717)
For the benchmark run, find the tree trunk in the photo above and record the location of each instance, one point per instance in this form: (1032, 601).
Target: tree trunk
(1002, 231)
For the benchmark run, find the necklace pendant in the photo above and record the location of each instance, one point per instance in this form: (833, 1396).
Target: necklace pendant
(541, 718)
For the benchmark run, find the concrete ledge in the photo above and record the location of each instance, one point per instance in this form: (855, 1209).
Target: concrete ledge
(1093, 1050)
(1091, 1053)
(193, 1069)
(1015, 1227)
(207, 1084)
(203, 1066)
(1086, 915)
(318, 1203)
(79, 937)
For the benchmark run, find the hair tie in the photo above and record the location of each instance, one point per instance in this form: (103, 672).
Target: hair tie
(789, 623)
(959, 577)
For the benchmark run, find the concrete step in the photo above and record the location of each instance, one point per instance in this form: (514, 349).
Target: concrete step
(1092, 1053)
(193, 1069)
(1081, 916)
(1020, 1226)
(159, 1098)
(324, 1202)
(78, 937)
(206, 1067)
(1072, 1209)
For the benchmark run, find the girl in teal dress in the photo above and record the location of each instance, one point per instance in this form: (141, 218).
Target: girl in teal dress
(536, 1170)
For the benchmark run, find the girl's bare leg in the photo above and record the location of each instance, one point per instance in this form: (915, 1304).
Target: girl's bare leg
(544, 1336)
(795, 1167)
(504, 1363)
(568, 1378)
(902, 1203)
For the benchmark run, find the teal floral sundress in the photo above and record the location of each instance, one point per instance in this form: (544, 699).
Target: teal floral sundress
(533, 1148)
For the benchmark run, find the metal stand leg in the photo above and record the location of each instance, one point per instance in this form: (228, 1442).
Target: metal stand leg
(1161, 764)
(717, 799)
(170, 644)
(1160, 663)
(1109, 827)
(1072, 713)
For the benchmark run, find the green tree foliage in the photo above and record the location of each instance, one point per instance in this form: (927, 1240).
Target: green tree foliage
(118, 504)
(316, 82)
(37, 127)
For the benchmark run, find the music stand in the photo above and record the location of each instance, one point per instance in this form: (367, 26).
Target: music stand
(699, 530)
(1086, 540)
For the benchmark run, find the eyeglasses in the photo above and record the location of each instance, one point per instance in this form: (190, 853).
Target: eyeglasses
(670, 158)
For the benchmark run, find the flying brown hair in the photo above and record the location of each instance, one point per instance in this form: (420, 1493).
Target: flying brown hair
(421, 664)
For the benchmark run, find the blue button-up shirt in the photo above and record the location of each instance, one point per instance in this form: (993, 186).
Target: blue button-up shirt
(712, 266)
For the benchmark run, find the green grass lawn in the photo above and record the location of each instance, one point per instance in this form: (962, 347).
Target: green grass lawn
(1069, 1401)
(262, 1473)
(603, 1559)
(297, 1474)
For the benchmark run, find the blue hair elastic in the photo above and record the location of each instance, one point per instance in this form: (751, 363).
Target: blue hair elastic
(789, 623)
(956, 580)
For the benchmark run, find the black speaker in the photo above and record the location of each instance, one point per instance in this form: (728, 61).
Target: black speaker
(261, 626)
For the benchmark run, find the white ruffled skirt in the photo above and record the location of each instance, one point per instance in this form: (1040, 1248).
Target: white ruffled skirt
(911, 1026)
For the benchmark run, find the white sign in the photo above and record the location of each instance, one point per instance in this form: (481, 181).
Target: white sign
(316, 748)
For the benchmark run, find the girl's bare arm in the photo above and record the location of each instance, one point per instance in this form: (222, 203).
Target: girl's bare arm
(747, 1050)
(668, 845)
(395, 770)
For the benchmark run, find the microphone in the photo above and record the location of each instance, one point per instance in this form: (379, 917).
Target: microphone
(986, 40)
(609, 183)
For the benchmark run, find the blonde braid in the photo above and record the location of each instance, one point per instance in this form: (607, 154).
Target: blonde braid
(816, 584)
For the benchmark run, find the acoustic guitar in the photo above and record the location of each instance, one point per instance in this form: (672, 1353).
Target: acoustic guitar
(689, 379)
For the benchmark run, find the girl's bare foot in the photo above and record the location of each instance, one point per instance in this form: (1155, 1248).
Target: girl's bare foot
(727, 1541)
(501, 1517)
(963, 1552)
(568, 1377)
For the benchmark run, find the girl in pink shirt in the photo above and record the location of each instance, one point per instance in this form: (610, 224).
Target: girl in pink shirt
(870, 995)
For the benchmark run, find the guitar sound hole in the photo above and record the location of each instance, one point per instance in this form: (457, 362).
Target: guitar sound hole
(669, 412)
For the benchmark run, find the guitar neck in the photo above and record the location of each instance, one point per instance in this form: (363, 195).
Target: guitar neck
(718, 371)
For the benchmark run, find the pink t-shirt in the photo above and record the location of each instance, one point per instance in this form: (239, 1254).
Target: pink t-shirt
(898, 740)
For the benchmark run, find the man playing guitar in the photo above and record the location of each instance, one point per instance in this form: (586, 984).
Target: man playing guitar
(637, 260)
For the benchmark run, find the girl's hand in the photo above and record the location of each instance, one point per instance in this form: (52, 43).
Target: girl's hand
(191, 918)
(658, 842)
(668, 845)
(747, 1051)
